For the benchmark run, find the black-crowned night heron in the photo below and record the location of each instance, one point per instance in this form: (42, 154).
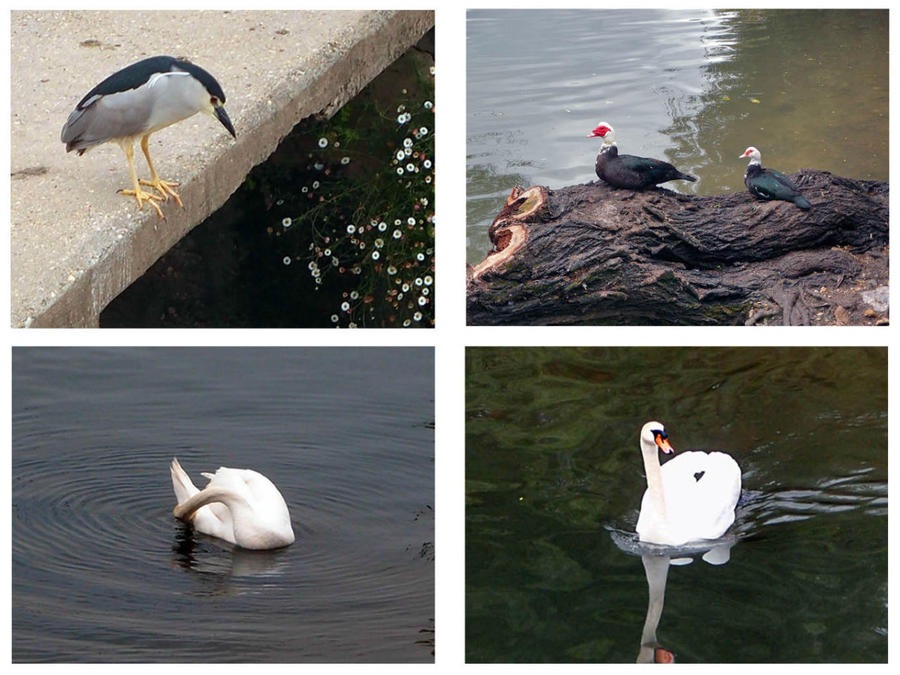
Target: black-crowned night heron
(138, 100)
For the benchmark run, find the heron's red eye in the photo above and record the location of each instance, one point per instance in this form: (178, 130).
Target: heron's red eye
(213, 100)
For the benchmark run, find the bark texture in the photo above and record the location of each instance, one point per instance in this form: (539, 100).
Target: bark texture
(592, 254)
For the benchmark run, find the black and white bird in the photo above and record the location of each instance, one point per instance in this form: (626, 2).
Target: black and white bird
(770, 184)
(136, 101)
(629, 171)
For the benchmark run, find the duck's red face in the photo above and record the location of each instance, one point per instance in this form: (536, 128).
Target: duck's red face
(600, 131)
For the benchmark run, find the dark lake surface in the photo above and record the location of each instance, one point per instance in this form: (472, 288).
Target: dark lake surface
(554, 481)
(102, 571)
(809, 88)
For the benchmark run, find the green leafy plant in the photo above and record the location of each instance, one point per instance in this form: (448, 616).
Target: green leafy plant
(368, 203)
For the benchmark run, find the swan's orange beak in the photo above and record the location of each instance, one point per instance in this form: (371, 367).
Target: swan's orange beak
(663, 444)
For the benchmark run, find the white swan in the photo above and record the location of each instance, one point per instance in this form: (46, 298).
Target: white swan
(238, 505)
(691, 497)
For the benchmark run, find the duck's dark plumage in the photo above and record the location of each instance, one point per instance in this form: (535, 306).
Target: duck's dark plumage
(630, 171)
(633, 172)
(770, 184)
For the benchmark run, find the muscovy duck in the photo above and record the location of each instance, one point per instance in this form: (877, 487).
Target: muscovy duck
(770, 184)
(628, 171)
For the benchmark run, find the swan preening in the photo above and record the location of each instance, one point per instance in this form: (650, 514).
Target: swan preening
(240, 506)
(691, 497)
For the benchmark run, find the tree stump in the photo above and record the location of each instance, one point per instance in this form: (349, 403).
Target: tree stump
(593, 254)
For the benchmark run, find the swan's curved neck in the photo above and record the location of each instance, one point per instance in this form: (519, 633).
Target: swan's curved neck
(208, 495)
(654, 476)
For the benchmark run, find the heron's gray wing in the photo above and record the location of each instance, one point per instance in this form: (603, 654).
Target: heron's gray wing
(107, 118)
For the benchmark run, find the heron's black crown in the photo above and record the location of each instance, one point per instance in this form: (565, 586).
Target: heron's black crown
(137, 74)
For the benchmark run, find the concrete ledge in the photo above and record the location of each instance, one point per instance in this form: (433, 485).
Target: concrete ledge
(75, 243)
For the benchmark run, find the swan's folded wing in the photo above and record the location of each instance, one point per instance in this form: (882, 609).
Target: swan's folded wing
(701, 491)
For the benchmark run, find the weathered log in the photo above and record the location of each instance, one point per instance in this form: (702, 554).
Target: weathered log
(592, 254)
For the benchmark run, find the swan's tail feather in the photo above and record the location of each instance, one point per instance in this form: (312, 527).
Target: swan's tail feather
(208, 475)
(184, 488)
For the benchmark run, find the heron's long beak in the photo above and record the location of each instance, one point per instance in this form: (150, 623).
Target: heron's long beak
(225, 120)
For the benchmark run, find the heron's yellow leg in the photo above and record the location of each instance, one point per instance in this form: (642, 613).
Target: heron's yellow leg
(164, 187)
(139, 194)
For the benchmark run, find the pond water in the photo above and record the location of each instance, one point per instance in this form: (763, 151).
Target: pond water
(554, 482)
(102, 571)
(692, 87)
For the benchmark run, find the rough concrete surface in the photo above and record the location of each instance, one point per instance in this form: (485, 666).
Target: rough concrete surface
(75, 243)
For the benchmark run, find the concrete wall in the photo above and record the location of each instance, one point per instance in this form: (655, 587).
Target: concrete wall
(75, 243)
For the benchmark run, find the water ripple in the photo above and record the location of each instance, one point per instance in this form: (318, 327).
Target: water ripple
(102, 571)
(833, 495)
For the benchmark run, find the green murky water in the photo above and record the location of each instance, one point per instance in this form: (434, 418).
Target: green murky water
(809, 88)
(554, 476)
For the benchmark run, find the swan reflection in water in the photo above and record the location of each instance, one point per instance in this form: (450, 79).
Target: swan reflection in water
(688, 506)
(657, 569)
(217, 562)
(656, 560)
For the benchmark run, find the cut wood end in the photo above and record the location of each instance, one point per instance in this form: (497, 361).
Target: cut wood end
(520, 206)
(523, 203)
(514, 237)
(508, 233)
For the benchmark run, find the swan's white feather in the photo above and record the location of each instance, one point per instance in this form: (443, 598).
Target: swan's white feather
(699, 492)
(240, 506)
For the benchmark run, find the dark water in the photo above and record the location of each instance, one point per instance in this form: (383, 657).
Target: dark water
(693, 87)
(554, 480)
(101, 571)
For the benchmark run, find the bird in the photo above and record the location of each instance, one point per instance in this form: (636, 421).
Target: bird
(691, 497)
(629, 171)
(241, 506)
(136, 101)
(770, 184)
